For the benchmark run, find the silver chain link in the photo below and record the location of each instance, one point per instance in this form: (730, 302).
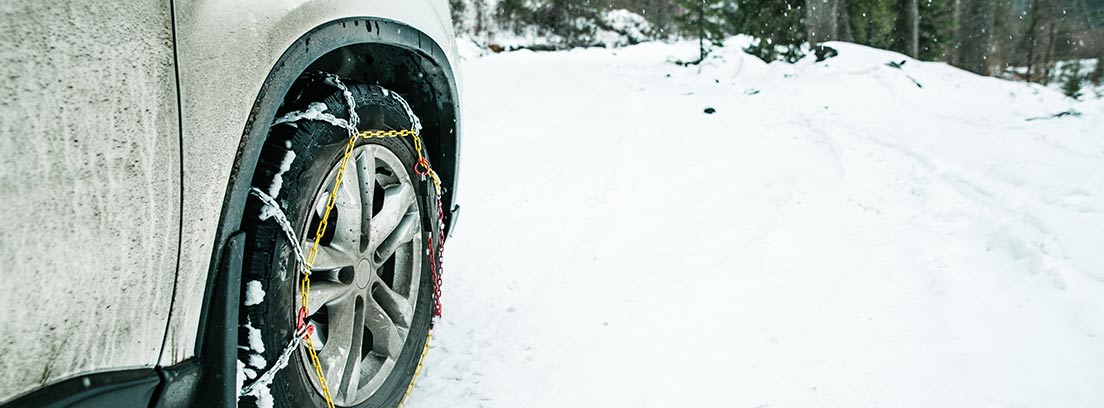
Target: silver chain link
(285, 225)
(312, 112)
(281, 219)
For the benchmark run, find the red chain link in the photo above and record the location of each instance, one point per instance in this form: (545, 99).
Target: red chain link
(435, 258)
(421, 168)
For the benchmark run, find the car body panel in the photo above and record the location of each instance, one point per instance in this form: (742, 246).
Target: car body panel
(226, 50)
(90, 151)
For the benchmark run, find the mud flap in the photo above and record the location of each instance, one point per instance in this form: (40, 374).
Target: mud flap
(220, 350)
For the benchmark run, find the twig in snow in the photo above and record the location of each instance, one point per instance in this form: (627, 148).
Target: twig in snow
(898, 66)
(1070, 112)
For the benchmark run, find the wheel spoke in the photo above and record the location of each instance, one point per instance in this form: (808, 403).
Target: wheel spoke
(348, 194)
(334, 369)
(320, 202)
(328, 257)
(386, 340)
(396, 203)
(350, 217)
(339, 336)
(322, 293)
(351, 377)
(408, 280)
(381, 367)
(407, 229)
(366, 174)
(396, 306)
(344, 338)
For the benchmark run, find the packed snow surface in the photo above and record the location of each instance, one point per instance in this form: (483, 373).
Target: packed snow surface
(833, 236)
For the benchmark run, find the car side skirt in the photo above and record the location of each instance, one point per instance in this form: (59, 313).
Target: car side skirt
(123, 388)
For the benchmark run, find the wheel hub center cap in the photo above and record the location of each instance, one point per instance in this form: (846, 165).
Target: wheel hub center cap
(363, 273)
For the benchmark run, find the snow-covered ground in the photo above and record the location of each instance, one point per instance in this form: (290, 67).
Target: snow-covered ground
(833, 236)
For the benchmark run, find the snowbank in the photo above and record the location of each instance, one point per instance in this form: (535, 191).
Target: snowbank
(611, 28)
(834, 235)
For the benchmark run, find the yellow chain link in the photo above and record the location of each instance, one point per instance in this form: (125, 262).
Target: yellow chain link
(380, 134)
(304, 283)
(417, 371)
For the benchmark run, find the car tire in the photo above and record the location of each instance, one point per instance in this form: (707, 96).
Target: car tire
(297, 166)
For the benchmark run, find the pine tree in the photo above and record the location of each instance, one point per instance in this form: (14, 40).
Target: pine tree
(1071, 74)
(457, 9)
(1043, 20)
(936, 29)
(907, 35)
(873, 22)
(704, 20)
(513, 14)
(777, 25)
(570, 22)
(1006, 32)
(574, 21)
(826, 20)
(974, 35)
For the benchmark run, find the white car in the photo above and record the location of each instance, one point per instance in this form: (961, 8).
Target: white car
(150, 151)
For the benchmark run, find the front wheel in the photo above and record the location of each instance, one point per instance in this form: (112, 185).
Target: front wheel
(371, 294)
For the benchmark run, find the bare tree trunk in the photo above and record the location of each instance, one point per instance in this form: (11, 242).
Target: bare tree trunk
(909, 26)
(701, 32)
(821, 20)
(659, 15)
(1097, 75)
(478, 17)
(843, 21)
(955, 23)
(1048, 56)
(1030, 37)
(975, 34)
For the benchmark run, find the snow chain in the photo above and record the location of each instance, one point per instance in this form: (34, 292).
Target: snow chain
(304, 331)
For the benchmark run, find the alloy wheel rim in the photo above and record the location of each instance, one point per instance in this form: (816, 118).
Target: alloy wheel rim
(366, 276)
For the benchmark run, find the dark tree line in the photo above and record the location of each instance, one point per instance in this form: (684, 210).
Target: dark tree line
(984, 36)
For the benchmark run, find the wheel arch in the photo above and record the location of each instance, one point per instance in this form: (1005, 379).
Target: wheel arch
(370, 49)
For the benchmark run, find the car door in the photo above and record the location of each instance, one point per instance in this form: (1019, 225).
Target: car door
(89, 187)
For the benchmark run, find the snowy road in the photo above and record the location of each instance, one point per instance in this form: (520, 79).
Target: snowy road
(834, 236)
